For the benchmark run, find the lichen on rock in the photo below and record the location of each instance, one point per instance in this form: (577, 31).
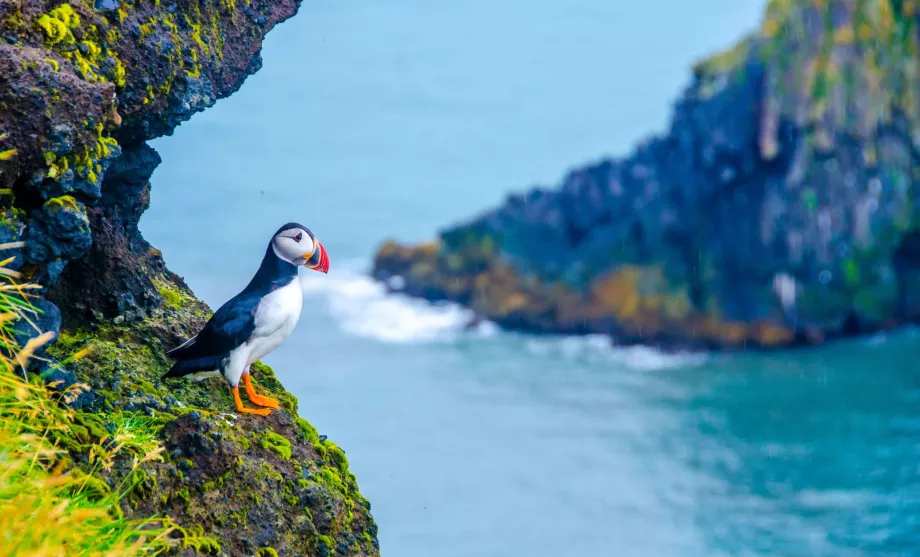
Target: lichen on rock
(83, 85)
(80, 82)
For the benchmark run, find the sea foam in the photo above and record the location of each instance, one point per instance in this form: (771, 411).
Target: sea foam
(363, 307)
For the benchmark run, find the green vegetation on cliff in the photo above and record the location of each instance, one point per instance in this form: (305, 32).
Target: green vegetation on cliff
(84, 84)
(230, 484)
(50, 506)
(118, 463)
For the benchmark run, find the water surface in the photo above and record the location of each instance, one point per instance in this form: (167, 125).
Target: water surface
(397, 118)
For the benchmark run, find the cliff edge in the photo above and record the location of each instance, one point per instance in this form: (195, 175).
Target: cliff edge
(83, 85)
(780, 208)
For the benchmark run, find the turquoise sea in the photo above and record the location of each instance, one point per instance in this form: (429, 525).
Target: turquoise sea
(374, 119)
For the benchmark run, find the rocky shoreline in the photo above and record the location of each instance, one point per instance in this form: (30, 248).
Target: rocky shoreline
(83, 85)
(780, 209)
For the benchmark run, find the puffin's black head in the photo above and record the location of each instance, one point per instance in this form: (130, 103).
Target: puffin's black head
(295, 244)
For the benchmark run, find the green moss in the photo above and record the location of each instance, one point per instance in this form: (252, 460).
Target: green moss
(268, 472)
(86, 55)
(325, 542)
(56, 204)
(237, 518)
(141, 484)
(243, 441)
(170, 294)
(337, 455)
(93, 424)
(147, 28)
(267, 552)
(331, 479)
(123, 364)
(86, 163)
(120, 74)
(104, 145)
(101, 351)
(218, 482)
(277, 444)
(194, 538)
(308, 430)
(184, 494)
(58, 23)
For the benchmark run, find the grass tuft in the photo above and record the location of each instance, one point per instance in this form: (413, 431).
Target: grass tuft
(48, 508)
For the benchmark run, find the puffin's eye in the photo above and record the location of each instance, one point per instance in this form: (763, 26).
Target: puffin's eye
(299, 237)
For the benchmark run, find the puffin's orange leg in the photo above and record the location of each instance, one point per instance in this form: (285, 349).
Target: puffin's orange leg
(258, 399)
(243, 410)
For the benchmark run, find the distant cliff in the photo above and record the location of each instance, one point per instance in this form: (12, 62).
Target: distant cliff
(83, 85)
(781, 207)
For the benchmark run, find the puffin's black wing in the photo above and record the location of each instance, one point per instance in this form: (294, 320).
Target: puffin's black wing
(230, 326)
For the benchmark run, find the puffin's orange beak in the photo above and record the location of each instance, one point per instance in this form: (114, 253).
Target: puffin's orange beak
(321, 258)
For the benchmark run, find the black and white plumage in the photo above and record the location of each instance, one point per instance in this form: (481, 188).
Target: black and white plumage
(257, 320)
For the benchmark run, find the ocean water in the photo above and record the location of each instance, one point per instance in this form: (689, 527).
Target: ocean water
(372, 120)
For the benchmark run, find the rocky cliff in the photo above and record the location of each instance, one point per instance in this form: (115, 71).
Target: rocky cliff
(83, 85)
(780, 208)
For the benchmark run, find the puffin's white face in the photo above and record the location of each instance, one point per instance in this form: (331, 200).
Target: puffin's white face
(299, 247)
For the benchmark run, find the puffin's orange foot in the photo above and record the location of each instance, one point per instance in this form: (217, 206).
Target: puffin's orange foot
(243, 410)
(258, 399)
(266, 401)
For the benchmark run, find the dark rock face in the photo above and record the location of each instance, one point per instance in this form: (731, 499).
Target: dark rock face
(288, 497)
(59, 230)
(83, 85)
(780, 207)
(46, 318)
(114, 277)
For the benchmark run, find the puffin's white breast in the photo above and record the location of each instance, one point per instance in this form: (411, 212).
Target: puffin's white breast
(275, 319)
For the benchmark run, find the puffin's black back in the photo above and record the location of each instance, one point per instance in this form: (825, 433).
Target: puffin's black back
(233, 323)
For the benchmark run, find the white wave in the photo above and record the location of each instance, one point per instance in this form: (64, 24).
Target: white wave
(364, 308)
(600, 349)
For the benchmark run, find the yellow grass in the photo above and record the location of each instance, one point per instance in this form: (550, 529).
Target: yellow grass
(48, 509)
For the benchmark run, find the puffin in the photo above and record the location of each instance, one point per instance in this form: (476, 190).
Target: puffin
(254, 322)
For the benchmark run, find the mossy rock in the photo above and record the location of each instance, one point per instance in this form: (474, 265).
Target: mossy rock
(232, 484)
